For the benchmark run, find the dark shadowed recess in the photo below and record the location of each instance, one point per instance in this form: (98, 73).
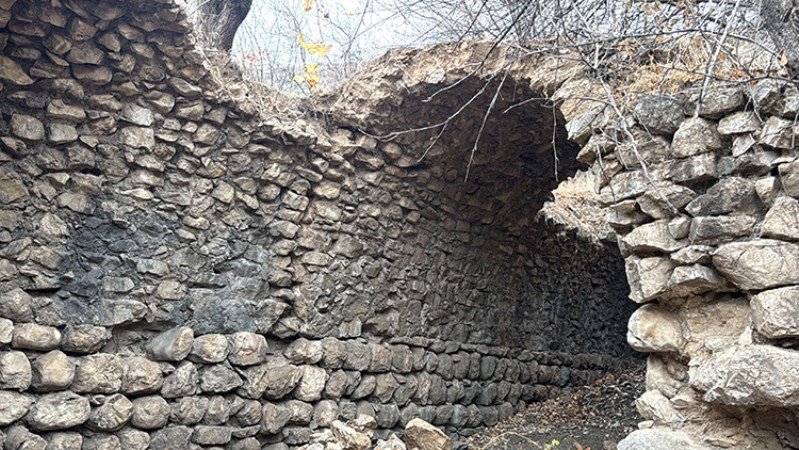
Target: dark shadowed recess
(502, 275)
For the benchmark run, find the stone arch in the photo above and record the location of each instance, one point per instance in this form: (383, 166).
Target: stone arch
(530, 280)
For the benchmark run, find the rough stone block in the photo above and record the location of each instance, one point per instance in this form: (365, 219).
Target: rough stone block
(731, 194)
(30, 336)
(182, 382)
(150, 413)
(15, 371)
(424, 436)
(13, 406)
(654, 329)
(210, 349)
(739, 123)
(695, 136)
(52, 371)
(247, 349)
(651, 237)
(660, 114)
(311, 384)
(648, 277)
(141, 376)
(654, 439)
(775, 313)
(695, 169)
(171, 345)
(782, 220)
(219, 378)
(59, 411)
(84, 338)
(274, 418)
(758, 264)
(696, 279)
(112, 415)
(720, 229)
(98, 374)
(750, 375)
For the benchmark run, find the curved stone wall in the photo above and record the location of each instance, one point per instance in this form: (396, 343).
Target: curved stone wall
(177, 271)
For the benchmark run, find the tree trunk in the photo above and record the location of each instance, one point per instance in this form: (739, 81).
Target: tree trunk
(781, 20)
(219, 20)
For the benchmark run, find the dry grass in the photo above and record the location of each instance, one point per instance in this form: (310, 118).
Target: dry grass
(679, 66)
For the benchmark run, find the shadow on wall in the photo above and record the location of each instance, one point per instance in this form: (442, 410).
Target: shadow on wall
(474, 264)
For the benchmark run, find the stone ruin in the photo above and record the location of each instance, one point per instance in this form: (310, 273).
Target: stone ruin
(182, 268)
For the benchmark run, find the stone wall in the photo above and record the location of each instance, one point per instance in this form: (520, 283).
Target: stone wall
(709, 237)
(176, 267)
(242, 390)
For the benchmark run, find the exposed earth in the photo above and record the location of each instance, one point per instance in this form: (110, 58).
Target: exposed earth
(594, 417)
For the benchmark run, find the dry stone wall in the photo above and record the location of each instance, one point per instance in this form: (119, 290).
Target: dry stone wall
(709, 237)
(178, 272)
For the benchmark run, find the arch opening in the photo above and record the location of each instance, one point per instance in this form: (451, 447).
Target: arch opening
(484, 265)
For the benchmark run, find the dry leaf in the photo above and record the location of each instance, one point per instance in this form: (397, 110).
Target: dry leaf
(320, 50)
(310, 77)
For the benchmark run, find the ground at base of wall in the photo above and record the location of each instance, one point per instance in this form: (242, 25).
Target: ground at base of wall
(594, 417)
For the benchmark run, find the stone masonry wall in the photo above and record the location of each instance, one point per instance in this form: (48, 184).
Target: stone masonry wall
(709, 238)
(177, 272)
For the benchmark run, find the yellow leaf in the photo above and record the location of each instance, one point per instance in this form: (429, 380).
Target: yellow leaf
(307, 5)
(310, 77)
(784, 59)
(321, 50)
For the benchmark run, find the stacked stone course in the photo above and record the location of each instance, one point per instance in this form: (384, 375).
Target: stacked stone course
(241, 390)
